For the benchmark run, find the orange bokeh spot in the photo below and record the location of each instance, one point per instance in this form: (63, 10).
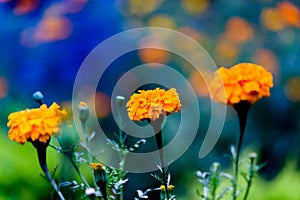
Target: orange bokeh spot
(139, 7)
(3, 87)
(162, 21)
(195, 6)
(25, 6)
(102, 105)
(53, 28)
(292, 89)
(289, 13)
(272, 19)
(266, 58)
(199, 85)
(238, 30)
(191, 32)
(226, 51)
(153, 55)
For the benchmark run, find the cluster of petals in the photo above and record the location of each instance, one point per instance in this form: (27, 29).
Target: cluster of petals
(150, 104)
(35, 124)
(97, 166)
(242, 82)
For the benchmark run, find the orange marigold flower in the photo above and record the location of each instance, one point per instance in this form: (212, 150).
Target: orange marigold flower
(97, 166)
(35, 124)
(242, 82)
(150, 104)
(170, 188)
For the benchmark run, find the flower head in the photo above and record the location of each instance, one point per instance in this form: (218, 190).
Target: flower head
(100, 176)
(35, 124)
(170, 188)
(97, 166)
(150, 104)
(242, 82)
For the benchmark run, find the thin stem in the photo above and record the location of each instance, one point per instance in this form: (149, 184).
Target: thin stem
(252, 172)
(90, 159)
(41, 151)
(249, 182)
(156, 124)
(83, 127)
(79, 173)
(69, 156)
(242, 109)
(123, 152)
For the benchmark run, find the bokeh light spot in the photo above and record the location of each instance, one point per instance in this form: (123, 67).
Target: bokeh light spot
(199, 84)
(238, 30)
(162, 21)
(140, 7)
(151, 55)
(292, 89)
(289, 13)
(25, 6)
(53, 28)
(102, 105)
(193, 33)
(266, 58)
(272, 19)
(195, 6)
(3, 87)
(226, 51)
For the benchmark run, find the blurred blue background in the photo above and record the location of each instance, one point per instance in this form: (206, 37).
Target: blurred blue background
(43, 43)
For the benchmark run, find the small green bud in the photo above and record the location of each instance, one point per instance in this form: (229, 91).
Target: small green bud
(216, 167)
(120, 99)
(38, 97)
(252, 156)
(100, 176)
(83, 111)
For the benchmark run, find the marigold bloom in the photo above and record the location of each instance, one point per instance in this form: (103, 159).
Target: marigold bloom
(242, 82)
(97, 166)
(35, 124)
(149, 104)
(170, 188)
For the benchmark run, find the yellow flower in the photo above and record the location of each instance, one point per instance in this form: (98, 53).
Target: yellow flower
(170, 188)
(97, 166)
(242, 82)
(35, 124)
(150, 104)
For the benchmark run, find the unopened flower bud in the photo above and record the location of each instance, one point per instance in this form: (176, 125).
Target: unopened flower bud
(100, 176)
(170, 188)
(83, 111)
(252, 156)
(216, 167)
(120, 99)
(38, 97)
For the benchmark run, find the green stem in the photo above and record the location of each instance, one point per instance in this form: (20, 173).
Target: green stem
(123, 152)
(69, 156)
(83, 127)
(41, 151)
(156, 124)
(90, 159)
(242, 109)
(251, 175)
(79, 173)
(249, 182)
